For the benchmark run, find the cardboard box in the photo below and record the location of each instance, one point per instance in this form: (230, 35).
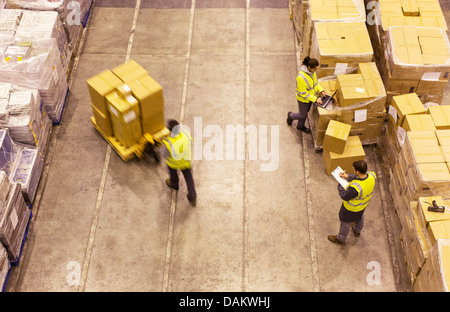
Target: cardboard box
(330, 11)
(153, 123)
(323, 117)
(431, 87)
(99, 86)
(351, 89)
(341, 42)
(353, 151)
(103, 121)
(149, 94)
(430, 216)
(438, 229)
(336, 136)
(440, 115)
(129, 71)
(407, 104)
(418, 123)
(415, 51)
(428, 179)
(125, 118)
(443, 137)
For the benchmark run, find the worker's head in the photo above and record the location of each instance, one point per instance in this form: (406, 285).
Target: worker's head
(360, 166)
(311, 63)
(172, 126)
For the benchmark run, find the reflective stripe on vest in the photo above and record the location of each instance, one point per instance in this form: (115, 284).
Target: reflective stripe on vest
(364, 189)
(177, 159)
(309, 88)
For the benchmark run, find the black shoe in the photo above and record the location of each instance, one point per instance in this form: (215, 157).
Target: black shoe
(169, 185)
(193, 201)
(304, 129)
(289, 120)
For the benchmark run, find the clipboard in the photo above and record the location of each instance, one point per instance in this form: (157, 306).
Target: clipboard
(335, 173)
(327, 100)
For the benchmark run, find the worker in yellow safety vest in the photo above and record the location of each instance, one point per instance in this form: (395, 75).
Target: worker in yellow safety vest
(355, 198)
(308, 92)
(177, 153)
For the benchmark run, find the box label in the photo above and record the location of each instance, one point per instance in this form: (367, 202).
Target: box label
(130, 116)
(14, 219)
(360, 115)
(393, 113)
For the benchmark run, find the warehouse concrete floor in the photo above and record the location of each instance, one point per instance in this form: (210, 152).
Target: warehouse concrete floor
(260, 224)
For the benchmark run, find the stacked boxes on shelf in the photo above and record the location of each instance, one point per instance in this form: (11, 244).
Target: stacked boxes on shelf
(20, 112)
(14, 217)
(72, 14)
(37, 65)
(411, 47)
(359, 102)
(127, 103)
(22, 165)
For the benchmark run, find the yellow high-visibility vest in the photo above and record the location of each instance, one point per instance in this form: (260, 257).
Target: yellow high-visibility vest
(307, 87)
(179, 148)
(364, 189)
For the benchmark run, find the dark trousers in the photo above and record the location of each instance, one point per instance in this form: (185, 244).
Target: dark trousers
(303, 109)
(187, 173)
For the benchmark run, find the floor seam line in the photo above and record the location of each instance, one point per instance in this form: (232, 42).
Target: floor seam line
(173, 202)
(94, 224)
(309, 207)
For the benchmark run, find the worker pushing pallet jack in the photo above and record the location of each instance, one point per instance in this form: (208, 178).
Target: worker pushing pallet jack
(128, 111)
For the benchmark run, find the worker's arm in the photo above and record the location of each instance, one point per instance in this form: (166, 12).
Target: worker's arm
(164, 152)
(347, 194)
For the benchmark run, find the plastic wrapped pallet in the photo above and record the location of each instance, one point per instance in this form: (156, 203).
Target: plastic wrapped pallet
(9, 21)
(44, 25)
(360, 103)
(340, 47)
(8, 151)
(36, 65)
(299, 16)
(386, 13)
(27, 172)
(5, 265)
(330, 11)
(14, 219)
(21, 112)
(417, 59)
(72, 14)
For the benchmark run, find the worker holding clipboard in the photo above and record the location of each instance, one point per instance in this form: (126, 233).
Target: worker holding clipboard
(355, 197)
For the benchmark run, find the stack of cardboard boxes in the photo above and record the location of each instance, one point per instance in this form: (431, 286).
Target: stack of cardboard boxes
(327, 11)
(340, 47)
(360, 103)
(423, 235)
(411, 47)
(416, 140)
(418, 158)
(340, 148)
(127, 103)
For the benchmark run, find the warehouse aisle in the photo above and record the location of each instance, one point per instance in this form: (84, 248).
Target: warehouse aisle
(260, 224)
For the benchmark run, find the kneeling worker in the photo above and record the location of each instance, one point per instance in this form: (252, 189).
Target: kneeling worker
(178, 157)
(354, 201)
(307, 90)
